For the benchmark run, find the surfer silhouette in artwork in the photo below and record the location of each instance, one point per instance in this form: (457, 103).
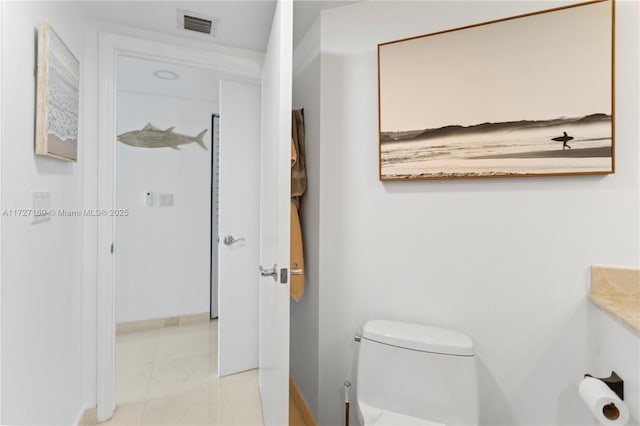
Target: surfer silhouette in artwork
(564, 139)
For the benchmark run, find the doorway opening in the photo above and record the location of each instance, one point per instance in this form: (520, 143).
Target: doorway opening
(163, 174)
(165, 343)
(252, 69)
(166, 265)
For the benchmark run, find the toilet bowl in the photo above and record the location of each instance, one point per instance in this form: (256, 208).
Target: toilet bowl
(412, 374)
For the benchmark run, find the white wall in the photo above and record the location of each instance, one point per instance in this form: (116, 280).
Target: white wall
(506, 261)
(163, 253)
(304, 350)
(41, 263)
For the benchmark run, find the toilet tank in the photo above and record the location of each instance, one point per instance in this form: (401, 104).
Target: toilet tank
(418, 370)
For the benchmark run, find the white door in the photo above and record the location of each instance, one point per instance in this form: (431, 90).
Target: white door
(238, 247)
(275, 198)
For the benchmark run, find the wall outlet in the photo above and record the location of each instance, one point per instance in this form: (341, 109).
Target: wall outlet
(40, 206)
(166, 200)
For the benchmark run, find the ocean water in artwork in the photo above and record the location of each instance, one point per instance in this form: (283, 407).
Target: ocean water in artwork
(557, 146)
(63, 99)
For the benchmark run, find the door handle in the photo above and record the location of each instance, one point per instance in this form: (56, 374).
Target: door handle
(230, 240)
(269, 272)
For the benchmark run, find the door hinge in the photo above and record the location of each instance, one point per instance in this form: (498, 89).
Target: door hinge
(111, 248)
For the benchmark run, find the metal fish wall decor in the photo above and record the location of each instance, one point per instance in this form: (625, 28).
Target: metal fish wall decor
(152, 137)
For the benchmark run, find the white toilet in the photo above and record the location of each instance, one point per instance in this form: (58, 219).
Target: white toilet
(411, 374)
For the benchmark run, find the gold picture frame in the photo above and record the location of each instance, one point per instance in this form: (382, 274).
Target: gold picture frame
(528, 95)
(57, 97)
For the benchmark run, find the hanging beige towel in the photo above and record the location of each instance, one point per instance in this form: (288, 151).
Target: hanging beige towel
(294, 155)
(298, 169)
(298, 187)
(297, 256)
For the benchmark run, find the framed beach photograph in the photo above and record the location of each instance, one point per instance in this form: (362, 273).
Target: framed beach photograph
(529, 95)
(57, 97)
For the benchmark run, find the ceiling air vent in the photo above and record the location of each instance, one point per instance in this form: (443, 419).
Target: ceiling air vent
(191, 21)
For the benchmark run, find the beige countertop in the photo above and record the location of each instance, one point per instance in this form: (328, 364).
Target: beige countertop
(617, 291)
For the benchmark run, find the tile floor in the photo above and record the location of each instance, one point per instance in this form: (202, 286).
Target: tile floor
(168, 376)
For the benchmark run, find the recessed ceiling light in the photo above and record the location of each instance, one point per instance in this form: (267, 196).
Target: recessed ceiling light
(166, 75)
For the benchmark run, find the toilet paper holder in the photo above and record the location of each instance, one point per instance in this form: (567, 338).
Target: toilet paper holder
(614, 382)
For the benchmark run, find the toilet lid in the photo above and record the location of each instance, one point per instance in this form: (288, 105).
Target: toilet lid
(391, 418)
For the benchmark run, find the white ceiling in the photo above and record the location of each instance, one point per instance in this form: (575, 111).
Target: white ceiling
(305, 13)
(136, 75)
(243, 23)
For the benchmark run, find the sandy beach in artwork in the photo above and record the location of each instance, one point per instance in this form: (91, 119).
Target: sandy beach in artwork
(499, 149)
(67, 148)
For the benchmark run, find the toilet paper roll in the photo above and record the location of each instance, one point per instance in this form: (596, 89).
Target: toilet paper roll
(603, 402)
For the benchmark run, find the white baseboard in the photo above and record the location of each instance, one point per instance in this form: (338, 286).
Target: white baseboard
(151, 324)
(88, 417)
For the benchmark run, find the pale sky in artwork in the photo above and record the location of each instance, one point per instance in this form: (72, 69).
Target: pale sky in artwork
(543, 66)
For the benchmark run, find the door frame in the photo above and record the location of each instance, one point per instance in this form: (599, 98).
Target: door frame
(2, 138)
(214, 218)
(234, 62)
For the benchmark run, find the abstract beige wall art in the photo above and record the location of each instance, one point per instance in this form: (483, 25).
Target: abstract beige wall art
(57, 101)
(529, 95)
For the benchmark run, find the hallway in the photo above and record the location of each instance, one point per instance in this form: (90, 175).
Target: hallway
(168, 376)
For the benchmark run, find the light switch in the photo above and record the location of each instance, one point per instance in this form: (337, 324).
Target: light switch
(148, 199)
